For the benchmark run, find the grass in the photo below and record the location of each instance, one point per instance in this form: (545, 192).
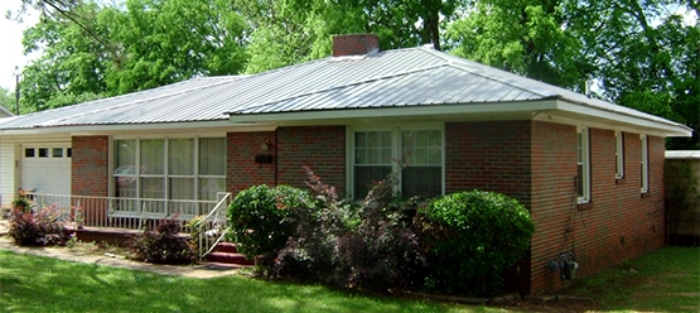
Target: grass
(664, 281)
(39, 284)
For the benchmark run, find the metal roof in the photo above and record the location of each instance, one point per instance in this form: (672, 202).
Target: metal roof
(5, 112)
(395, 78)
(683, 154)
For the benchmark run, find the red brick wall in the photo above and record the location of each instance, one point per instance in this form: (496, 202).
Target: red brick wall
(554, 197)
(89, 175)
(620, 224)
(321, 148)
(241, 171)
(491, 156)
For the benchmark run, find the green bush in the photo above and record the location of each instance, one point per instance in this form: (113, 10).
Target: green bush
(261, 223)
(470, 237)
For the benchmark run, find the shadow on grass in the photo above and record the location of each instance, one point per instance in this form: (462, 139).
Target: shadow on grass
(39, 284)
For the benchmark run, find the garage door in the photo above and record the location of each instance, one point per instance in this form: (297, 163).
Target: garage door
(47, 168)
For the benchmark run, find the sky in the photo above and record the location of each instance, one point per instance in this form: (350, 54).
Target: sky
(11, 55)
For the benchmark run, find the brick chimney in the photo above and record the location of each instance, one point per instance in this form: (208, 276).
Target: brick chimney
(355, 44)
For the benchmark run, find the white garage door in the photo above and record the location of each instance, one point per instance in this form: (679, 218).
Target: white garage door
(47, 168)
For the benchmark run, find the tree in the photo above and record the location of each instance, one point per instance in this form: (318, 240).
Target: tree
(141, 44)
(641, 53)
(68, 66)
(293, 31)
(158, 42)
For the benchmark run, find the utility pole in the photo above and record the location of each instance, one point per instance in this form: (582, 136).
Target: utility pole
(17, 94)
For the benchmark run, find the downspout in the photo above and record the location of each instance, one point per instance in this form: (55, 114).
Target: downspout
(275, 145)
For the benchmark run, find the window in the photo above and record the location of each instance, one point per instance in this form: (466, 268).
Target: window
(170, 168)
(43, 152)
(57, 152)
(583, 177)
(417, 152)
(29, 152)
(619, 155)
(644, 166)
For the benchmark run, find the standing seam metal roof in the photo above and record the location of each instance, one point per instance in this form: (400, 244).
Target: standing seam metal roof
(405, 77)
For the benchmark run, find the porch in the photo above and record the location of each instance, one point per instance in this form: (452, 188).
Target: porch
(118, 218)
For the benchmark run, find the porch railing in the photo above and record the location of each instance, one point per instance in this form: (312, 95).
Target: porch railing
(125, 213)
(213, 228)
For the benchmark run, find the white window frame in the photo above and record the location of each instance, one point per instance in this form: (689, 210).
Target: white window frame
(619, 155)
(166, 176)
(644, 166)
(396, 152)
(583, 159)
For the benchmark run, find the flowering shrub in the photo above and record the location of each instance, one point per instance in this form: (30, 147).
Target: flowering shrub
(38, 229)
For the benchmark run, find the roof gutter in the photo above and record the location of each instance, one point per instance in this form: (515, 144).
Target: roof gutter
(88, 130)
(572, 112)
(664, 126)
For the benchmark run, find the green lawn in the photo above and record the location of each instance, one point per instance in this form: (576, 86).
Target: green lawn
(664, 281)
(38, 284)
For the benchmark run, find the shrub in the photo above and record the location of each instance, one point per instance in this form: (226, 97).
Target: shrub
(38, 229)
(261, 223)
(471, 237)
(312, 252)
(382, 253)
(193, 224)
(371, 247)
(164, 245)
(21, 205)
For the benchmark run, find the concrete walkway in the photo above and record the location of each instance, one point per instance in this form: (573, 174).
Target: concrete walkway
(206, 270)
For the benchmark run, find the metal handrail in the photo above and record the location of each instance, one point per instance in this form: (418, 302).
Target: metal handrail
(214, 221)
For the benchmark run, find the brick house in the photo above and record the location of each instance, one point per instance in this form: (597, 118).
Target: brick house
(590, 171)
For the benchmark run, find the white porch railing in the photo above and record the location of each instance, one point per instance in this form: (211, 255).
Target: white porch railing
(213, 228)
(126, 213)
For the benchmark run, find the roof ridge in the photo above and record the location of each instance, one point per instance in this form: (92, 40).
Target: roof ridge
(539, 86)
(130, 103)
(468, 66)
(356, 83)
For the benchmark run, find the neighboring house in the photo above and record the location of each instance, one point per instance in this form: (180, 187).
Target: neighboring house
(4, 112)
(682, 175)
(590, 171)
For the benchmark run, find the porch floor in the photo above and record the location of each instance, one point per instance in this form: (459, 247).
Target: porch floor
(110, 235)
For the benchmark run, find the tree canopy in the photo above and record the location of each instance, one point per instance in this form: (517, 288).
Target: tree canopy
(141, 44)
(642, 54)
(7, 98)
